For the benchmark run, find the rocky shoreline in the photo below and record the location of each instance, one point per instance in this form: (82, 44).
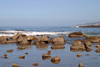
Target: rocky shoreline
(57, 43)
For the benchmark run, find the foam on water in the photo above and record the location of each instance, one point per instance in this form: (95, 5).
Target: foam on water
(12, 33)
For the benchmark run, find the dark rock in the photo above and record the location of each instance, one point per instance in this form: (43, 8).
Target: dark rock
(36, 64)
(76, 34)
(10, 50)
(22, 57)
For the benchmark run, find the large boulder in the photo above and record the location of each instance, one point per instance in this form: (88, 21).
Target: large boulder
(16, 36)
(43, 38)
(76, 34)
(30, 37)
(87, 43)
(77, 45)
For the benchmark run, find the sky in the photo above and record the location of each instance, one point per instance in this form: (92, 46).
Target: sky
(48, 12)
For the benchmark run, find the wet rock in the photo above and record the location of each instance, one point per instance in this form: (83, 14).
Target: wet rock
(88, 48)
(15, 65)
(58, 39)
(76, 34)
(10, 50)
(24, 42)
(3, 38)
(45, 55)
(16, 36)
(87, 43)
(26, 53)
(30, 37)
(11, 41)
(21, 37)
(36, 64)
(49, 52)
(5, 55)
(80, 65)
(79, 55)
(37, 43)
(22, 48)
(93, 39)
(58, 47)
(59, 43)
(55, 60)
(50, 41)
(43, 38)
(77, 45)
(22, 57)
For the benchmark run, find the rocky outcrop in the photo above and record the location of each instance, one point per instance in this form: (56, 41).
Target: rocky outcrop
(3, 38)
(76, 34)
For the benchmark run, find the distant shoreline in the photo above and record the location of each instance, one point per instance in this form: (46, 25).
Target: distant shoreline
(93, 26)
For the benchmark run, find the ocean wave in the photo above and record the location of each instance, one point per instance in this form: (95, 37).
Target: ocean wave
(12, 33)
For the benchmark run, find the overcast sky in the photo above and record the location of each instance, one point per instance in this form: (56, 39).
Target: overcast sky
(48, 12)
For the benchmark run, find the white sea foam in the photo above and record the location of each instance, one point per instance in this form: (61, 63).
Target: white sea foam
(12, 33)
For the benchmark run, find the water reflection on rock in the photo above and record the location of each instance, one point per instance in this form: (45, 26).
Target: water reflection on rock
(42, 47)
(77, 50)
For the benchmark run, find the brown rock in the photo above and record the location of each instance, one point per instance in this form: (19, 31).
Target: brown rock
(15, 65)
(58, 39)
(87, 43)
(16, 36)
(55, 58)
(36, 64)
(21, 48)
(45, 55)
(24, 42)
(76, 34)
(30, 37)
(79, 55)
(26, 53)
(10, 50)
(80, 65)
(5, 55)
(3, 38)
(58, 47)
(22, 57)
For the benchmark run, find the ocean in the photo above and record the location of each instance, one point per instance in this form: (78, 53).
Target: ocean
(68, 58)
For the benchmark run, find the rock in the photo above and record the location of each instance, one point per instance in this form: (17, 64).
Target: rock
(55, 58)
(50, 41)
(93, 39)
(76, 34)
(87, 43)
(15, 65)
(58, 47)
(58, 39)
(49, 51)
(88, 48)
(37, 43)
(11, 41)
(45, 55)
(3, 38)
(5, 55)
(10, 50)
(26, 53)
(21, 48)
(80, 65)
(21, 37)
(97, 46)
(79, 55)
(22, 57)
(77, 45)
(36, 64)
(30, 37)
(43, 38)
(59, 43)
(16, 36)
(24, 42)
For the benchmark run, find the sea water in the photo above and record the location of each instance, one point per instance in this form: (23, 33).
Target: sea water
(68, 58)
